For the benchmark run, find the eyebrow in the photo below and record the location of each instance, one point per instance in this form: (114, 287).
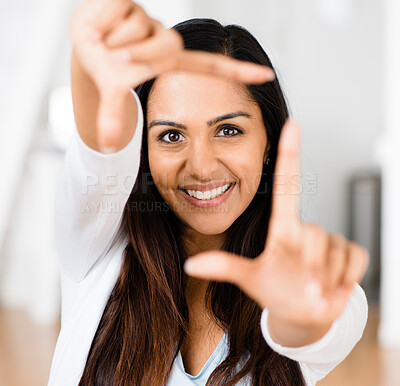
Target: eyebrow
(209, 123)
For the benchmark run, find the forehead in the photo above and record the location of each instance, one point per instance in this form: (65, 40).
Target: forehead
(182, 95)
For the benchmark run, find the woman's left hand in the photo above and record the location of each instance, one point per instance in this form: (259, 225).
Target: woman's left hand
(304, 276)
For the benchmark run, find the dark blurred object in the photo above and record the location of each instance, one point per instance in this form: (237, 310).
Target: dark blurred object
(365, 225)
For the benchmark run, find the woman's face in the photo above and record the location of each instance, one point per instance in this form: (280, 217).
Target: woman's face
(207, 145)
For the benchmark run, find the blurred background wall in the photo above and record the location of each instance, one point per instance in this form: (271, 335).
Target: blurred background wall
(329, 56)
(338, 62)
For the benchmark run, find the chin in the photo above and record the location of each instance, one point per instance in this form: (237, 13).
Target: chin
(210, 228)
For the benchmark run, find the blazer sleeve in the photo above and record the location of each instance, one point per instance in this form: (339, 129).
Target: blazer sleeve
(319, 358)
(91, 192)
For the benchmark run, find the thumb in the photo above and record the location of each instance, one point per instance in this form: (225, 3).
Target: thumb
(111, 117)
(219, 266)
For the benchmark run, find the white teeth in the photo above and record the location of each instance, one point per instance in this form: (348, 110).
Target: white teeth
(209, 194)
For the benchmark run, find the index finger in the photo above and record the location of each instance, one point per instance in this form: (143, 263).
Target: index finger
(221, 65)
(286, 188)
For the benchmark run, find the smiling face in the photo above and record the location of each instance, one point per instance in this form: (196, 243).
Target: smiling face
(207, 145)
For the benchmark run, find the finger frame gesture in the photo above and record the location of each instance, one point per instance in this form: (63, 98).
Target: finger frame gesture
(304, 276)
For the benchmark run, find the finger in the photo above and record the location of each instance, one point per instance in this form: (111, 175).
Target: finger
(336, 260)
(136, 27)
(220, 65)
(110, 117)
(219, 266)
(314, 254)
(286, 188)
(357, 262)
(105, 15)
(163, 43)
(164, 52)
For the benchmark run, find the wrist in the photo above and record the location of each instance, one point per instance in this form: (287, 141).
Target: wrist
(290, 334)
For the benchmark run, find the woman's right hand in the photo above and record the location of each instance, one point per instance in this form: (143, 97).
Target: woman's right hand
(119, 46)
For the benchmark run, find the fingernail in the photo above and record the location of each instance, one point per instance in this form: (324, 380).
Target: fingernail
(270, 73)
(189, 266)
(107, 149)
(264, 72)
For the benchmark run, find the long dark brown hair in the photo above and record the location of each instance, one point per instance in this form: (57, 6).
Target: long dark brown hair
(146, 318)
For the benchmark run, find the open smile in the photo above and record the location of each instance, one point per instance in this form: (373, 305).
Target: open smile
(208, 198)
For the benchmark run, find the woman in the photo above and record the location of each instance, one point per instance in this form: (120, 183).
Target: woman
(136, 310)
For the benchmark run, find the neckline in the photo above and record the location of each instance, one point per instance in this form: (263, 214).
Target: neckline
(211, 359)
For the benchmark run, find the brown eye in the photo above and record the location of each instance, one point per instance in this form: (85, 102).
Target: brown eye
(171, 137)
(229, 131)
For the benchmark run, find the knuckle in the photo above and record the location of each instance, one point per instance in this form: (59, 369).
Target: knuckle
(140, 23)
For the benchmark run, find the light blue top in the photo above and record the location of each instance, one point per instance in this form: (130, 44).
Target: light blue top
(179, 376)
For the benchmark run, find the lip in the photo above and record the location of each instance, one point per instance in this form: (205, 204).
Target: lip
(204, 188)
(213, 202)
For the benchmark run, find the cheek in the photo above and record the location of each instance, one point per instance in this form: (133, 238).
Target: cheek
(250, 179)
(163, 171)
(247, 166)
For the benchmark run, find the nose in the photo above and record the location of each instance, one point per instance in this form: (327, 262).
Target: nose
(202, 160)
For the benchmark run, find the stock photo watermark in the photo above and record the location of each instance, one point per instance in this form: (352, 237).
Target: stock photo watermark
(113, 190)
